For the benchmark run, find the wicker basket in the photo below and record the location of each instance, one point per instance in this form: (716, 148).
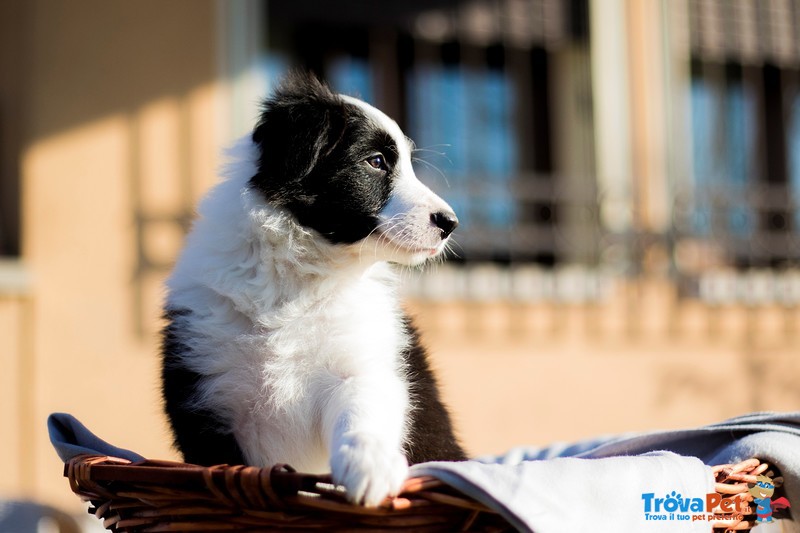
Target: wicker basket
(168, 496)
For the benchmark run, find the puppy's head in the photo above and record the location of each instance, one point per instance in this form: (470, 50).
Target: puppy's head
(343, 169)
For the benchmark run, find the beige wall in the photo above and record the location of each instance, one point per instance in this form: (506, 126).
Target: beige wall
(639, 359)
(118, 110)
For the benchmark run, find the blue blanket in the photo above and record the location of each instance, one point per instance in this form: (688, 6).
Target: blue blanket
(648, 482)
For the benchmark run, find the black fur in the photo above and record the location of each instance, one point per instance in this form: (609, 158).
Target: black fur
(431, 435)
(199, 435)
(314, 149)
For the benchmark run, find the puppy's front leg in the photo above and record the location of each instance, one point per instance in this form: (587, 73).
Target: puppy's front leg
(363, 422)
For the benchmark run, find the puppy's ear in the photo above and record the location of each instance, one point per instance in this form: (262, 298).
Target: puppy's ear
(299, 125)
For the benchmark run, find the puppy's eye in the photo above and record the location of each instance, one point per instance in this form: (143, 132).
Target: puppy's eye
(377, 162)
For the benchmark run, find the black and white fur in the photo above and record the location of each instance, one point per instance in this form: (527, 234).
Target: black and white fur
(285, 341)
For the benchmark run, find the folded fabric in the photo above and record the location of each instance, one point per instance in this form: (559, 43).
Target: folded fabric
(570, 494)
(644, 482)
(70, 438)
(516, 491)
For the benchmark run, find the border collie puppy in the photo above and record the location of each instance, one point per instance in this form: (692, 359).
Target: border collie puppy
(285, 341)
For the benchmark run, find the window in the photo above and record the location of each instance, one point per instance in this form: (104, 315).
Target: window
(12, 65)
(473, 84)
(745, 91)
(9, 205)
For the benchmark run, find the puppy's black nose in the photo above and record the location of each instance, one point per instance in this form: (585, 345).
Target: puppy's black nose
(445, 221)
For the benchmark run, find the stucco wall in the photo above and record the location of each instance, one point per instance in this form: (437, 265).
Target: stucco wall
(119, 106)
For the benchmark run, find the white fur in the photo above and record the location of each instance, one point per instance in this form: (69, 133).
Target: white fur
(300, 340)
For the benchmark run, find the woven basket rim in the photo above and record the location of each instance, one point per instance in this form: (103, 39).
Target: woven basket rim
(156, 495)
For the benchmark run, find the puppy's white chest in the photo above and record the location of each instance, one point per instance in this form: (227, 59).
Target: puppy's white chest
(355, 337)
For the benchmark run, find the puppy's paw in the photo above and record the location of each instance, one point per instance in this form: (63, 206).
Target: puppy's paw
(368, 468)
